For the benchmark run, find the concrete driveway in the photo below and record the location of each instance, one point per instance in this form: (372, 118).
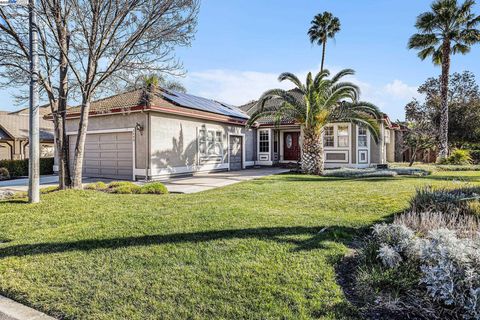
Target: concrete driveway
(189, 184)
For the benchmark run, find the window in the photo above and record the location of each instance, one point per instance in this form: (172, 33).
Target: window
(342, 136)
(210, 143)
(362, 137)
(263, 141)
(328, 137)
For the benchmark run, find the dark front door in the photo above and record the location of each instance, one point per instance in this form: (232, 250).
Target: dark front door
(291, 146)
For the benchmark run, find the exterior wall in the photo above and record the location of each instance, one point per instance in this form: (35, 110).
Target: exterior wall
(374, 151)
(390, 150)
(5, 151)
(116, 122)
(353, 144)
(174, 145)
(250, 146)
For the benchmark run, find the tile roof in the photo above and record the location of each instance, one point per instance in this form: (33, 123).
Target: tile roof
(252, 107)
(16, 126)
(163, 98)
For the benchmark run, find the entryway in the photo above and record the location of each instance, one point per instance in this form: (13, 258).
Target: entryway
(291, 146)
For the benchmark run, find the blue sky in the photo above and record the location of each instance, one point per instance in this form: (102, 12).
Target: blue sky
(242, 45)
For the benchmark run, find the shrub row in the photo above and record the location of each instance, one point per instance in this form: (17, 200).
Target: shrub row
(127, 187)
(372, 172)
(19, 168)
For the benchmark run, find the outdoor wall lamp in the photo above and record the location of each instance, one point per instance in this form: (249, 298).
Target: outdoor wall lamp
(139, 127)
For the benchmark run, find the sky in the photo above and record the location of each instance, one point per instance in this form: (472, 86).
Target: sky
(241, 46)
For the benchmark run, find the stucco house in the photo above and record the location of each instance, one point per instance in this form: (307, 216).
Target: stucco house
(14, 127)
(140, 134)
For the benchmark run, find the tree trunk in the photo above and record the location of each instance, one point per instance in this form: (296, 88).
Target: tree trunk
(323, 54)
(66, 181)
(443, 138)
(80, 145)
(312, 152)
(413, 157)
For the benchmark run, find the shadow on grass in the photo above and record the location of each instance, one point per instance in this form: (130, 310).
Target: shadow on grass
(303, 238)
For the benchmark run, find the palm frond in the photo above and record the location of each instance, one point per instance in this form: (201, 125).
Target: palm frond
(293, 79)
(342, 73)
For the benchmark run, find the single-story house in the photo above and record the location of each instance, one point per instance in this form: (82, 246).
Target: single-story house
(14, 128)
(137, 134)
(345, 144)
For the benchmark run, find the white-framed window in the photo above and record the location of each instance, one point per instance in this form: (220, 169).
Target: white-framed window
(263, 141)
(328, 137)
(362, 137)
(210, 143)
(343, 136)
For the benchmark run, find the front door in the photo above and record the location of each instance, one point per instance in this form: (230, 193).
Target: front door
(236, 153)
(291, 146)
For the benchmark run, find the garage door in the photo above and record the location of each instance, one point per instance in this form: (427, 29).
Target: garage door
(236, 152)
(107, 155)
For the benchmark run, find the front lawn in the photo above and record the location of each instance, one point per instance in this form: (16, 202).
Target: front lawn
(254, 250)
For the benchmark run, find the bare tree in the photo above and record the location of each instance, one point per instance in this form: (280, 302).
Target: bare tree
(100, 43)
(53, 71)
(111, 38)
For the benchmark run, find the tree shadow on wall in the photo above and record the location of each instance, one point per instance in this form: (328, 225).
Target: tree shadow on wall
(178, 155)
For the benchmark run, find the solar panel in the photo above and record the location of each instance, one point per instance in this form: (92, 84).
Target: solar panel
(203, 104)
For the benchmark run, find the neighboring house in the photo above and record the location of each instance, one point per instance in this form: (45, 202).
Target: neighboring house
(138, 134)
(345, 144)
(14, 127)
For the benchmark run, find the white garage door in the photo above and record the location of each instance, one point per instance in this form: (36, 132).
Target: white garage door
(107, 155)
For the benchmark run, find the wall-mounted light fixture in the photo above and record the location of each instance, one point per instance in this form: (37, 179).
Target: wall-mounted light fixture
(139, 127)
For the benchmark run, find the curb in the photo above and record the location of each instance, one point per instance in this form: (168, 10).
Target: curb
(11, 310)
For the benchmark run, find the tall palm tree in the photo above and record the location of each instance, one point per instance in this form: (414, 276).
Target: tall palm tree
(447, 29)
(324, 26)
(319, 101)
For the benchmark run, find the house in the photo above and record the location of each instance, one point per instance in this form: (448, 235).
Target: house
(160, 133)
(140, 134)
(345, 144)
(14, 127)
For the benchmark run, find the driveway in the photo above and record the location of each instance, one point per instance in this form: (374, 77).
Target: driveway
(189, 184)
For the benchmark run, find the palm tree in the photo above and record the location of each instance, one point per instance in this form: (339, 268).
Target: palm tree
(314, 104)
(447, 29)
(324, 26)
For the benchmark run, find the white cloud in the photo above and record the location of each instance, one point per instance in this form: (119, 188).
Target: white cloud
(400, 89)
(239, 87)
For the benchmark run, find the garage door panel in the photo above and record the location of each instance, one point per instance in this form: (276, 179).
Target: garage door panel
(107, 155)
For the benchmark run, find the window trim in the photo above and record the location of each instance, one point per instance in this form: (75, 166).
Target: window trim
(269, 140)
(203, 158)
(335, 136)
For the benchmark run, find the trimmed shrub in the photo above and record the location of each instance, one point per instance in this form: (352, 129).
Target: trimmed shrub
(123, 187)
(19, 168)
(401, 171)
(4, 174)
(99, 185)
(154, 188)
(358, 173)
(458, 167)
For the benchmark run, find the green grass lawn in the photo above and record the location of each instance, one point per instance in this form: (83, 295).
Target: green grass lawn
(248, 251)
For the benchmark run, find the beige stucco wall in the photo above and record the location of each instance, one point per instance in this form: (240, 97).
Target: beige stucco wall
(390, 149)
(174, 147)
(374, 151)
(120, 121)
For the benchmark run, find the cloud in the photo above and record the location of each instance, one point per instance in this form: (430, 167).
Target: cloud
(401, 90)
(239, 87)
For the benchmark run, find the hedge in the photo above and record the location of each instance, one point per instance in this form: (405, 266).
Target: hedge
(19, 168)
